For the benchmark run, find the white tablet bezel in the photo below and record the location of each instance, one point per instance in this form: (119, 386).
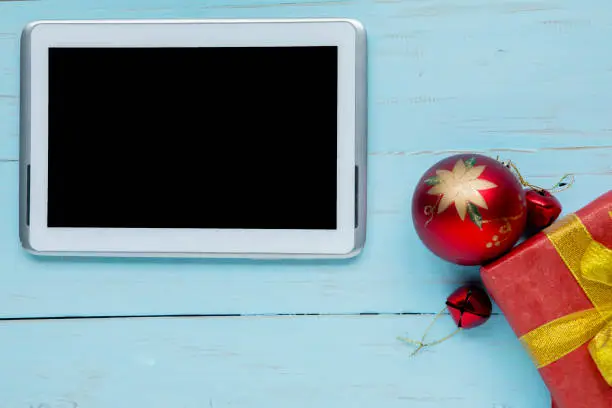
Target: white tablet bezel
(347, 35)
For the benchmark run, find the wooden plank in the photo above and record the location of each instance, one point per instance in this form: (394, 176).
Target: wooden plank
(394, 274)
(508, 74)
(324, 362)
(523, 79)
(526, 79)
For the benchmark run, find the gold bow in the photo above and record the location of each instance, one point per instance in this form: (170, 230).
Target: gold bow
(590, 263)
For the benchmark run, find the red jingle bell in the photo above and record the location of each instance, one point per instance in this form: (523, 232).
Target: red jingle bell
(469, 306)
(543, 209)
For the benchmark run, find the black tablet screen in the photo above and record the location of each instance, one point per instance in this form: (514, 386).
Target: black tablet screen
(193, 137)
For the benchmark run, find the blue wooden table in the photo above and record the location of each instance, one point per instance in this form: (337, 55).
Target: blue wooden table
(528, 80)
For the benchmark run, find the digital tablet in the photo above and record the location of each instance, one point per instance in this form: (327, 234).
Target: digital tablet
(206, 138)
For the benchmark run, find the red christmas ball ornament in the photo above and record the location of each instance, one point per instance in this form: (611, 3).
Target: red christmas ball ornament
(469, 306)
(469, 209)
(543, 209)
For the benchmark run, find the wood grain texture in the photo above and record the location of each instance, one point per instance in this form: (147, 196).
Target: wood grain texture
(462, 87)
(324, 362)
(528, 80)
(468, 74)
(394, 274)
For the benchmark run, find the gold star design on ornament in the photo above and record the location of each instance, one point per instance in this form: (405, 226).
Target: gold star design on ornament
(461, 187)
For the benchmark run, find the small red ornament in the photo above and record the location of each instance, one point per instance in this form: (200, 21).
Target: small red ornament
(543, 209)
(469, 306)
(469, 209)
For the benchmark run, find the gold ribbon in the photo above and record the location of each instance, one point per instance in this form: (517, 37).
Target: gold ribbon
(590, 263)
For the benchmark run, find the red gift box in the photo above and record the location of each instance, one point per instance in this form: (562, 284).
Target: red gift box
(537, 283)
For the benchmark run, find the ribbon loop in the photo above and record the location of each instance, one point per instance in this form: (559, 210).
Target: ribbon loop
(590, 263)
(596, 264)
(601, 352)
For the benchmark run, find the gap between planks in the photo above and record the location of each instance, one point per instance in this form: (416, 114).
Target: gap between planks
(220, 316)
(283, 4)
(451, 152)
(493, 150)
(252, 6)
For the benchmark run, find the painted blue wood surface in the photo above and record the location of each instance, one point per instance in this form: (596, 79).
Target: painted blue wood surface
(528, 80)
(267, 362)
